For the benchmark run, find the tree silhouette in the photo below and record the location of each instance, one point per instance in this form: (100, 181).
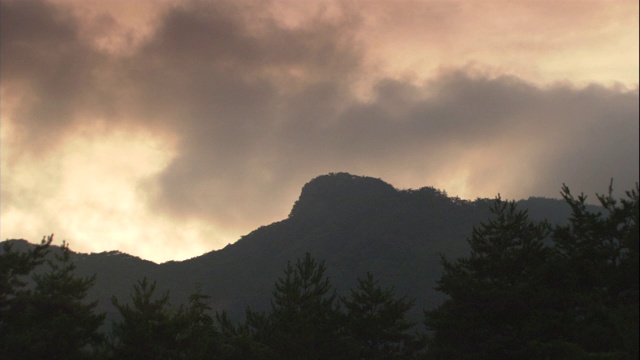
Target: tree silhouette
(248, 340)
(53, 321)
(146, 330)
(376, 322)
(515, 298)
(598, 253)
(494, 299)
(196, 335)
(14, 267)
(304, 321)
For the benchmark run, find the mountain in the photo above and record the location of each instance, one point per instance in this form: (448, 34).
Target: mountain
(355, 224)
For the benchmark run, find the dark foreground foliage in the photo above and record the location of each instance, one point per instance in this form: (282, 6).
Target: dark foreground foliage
(49, 319)
(527, 290)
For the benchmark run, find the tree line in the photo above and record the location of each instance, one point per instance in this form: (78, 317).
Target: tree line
(527, 290)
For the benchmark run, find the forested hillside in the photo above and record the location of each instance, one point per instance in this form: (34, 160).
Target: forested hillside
(348, 242)
(356, 224)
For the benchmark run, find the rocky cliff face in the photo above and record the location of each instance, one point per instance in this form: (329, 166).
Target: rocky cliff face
(340, 194)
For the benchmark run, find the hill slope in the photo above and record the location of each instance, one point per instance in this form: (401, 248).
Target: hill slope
(356, 224)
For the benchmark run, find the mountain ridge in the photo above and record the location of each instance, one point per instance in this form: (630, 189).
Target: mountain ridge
(356, 224)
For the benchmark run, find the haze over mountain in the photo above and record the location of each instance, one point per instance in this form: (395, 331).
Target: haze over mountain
(131, 123)
(356, 224)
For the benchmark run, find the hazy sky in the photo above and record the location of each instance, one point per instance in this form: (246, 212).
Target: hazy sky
(167, 129)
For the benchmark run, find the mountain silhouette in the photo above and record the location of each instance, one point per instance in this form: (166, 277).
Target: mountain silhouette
(355, 224)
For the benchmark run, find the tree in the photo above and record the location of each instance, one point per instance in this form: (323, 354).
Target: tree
(151, 328)
(53, 321)
(515, 298)
(376, 323)
(304, 321)
(598, 253)
(196, 335)
(495, 301)
(14, 267)
(146, 330)
(246, 340)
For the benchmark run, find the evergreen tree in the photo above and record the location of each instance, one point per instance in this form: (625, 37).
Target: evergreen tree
(514, 298)
(246, 340)
(598, 253)
(376, 323)
(53, 321)
(147, 329)
(496, 301)
(196, 335)
(14, 268)
(304, 321)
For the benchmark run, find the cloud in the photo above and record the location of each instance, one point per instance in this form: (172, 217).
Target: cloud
(508, 135)
(51, 74)
(537, 40)
(245, 105)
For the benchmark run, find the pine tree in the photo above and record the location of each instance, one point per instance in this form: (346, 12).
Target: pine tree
(495, 304)
(304, 321)
(196, 335)
(376, 323)
(515, 298)
(598, 252)
(147, 329)
(14, 268)
(53, 321)
(248, 340)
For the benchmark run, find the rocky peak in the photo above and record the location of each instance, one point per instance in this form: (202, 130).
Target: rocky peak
(340, 193)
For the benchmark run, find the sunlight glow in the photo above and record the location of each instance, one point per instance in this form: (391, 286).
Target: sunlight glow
(92, 188)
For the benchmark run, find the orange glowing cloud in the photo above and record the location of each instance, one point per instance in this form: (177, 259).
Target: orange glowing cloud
(169, 128)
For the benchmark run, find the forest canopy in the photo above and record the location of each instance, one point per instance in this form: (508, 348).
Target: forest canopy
(527, 290)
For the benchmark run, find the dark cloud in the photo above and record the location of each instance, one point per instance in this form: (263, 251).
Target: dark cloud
(53, 72)
(258, 108)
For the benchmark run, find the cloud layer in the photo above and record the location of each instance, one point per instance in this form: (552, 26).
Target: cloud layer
(232, 107)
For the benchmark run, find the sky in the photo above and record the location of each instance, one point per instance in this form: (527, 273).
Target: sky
(169, 128)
